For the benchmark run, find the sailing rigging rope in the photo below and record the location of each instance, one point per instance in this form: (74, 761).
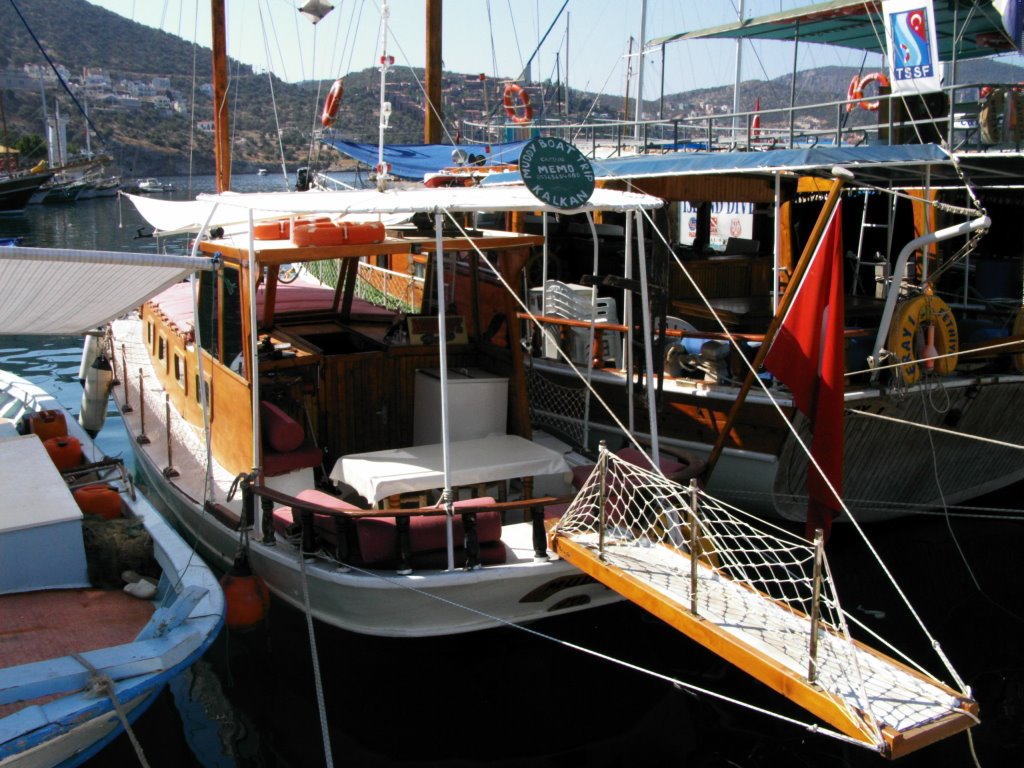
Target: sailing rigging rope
(103, 684)
(192, 117)
(315, 656)
(273, 97)
(940, 430)
(813, 462)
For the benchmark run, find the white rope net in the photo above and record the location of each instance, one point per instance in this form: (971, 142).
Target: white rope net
(755, 582)
(556, 407)
(387, 288)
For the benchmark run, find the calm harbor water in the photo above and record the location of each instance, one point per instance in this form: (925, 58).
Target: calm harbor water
(533, 698)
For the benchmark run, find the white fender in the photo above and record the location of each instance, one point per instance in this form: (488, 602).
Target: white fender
(95, 394)
(90, 350)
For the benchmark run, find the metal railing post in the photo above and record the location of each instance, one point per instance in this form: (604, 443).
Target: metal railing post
(142, 438)
(819, 553)
(694, 545)
(126, 408)
(602, 461)
(169, 470)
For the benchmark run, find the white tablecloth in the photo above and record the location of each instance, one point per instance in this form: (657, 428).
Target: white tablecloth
(379, 474)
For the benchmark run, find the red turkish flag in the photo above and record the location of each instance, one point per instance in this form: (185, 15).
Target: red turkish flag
(807, 356)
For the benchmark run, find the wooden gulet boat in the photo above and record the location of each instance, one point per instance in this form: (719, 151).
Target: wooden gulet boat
(308, 387)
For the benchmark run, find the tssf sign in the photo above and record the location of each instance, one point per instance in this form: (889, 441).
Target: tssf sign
(556, 173)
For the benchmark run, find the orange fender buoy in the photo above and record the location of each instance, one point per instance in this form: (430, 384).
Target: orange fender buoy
(65, 451)
(100, 500)
(515, 91)
(245, 595)
(331, 104)
(48, 424)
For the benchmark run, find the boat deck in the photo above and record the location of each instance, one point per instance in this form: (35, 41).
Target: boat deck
(54, 623)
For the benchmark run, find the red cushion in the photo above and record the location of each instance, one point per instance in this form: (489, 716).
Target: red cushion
(377, 535)
(323, 525)
(275, 464)
(281, 431)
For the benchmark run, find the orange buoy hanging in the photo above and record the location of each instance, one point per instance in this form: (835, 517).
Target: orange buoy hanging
(65, 451)
(852, 93)
(331, 104)
(873, 77)
(515, 91)
(245, 595)
(100, 500)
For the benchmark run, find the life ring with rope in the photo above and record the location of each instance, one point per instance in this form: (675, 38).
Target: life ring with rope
(922, 328)
(332, 103)
(855, 93)
(1018, 330)
(516, 91)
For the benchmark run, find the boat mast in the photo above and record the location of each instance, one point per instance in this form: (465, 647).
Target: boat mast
(385, 106)
(221, 128)
(434, 118)
(736, 83)
(638, 107)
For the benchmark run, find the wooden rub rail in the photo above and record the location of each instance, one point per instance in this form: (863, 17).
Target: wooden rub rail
(751, 631)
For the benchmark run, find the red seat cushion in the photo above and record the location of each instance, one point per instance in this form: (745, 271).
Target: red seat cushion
(280, 431)
(323, 525)
(275, 464)
(378, 537)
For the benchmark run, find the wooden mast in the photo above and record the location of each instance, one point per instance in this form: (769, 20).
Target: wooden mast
(221, 127)
(433, 122)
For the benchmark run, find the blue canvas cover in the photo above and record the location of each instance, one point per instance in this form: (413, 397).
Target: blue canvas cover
(414, 161)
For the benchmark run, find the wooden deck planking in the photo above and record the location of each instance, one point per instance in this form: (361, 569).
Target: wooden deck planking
(770, 641)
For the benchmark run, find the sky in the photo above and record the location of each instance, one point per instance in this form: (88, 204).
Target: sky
(587, 45)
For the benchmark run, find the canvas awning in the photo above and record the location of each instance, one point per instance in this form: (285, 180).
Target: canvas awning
(979, 27)
(67, 292)
(175, 216)
(904, 165)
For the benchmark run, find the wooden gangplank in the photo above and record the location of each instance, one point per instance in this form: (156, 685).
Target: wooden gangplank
(769, 641)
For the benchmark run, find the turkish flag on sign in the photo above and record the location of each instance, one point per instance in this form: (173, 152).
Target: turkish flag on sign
(807, 356)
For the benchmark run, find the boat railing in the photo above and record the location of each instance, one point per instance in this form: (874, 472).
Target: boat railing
(304, 513)
(953, 117)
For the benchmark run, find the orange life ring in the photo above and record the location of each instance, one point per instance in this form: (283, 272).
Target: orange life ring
(851, 93)
(918, 323)
(332, 103)
(514, 89)
(312, 232)
(857, 90)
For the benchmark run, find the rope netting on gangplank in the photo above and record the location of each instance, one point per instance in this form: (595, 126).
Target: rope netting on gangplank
(752, 595)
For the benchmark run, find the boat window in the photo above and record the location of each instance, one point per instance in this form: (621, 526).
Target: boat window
(220, 313)
(179, 370)
(161, 350)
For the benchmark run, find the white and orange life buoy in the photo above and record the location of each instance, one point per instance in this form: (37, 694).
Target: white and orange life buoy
(331, 104)
(855, 93)
(516, 91)
(923, 327)
(327, 232)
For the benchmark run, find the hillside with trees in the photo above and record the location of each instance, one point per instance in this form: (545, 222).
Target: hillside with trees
(165, 134)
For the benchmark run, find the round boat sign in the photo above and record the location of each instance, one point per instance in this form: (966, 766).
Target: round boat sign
(556, 172)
